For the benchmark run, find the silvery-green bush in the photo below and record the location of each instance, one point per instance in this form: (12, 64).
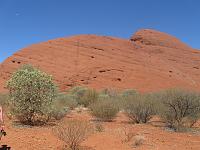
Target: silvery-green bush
(31, 94)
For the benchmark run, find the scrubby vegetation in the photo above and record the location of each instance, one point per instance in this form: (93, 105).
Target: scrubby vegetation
(4, 98)
(139, 108)
(104, 109)
(180, 109)
(31, 95)
(129, 93)
(34, 99)
(73, 133)
(83, 95)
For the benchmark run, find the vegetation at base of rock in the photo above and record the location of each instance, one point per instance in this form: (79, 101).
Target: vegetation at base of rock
(180, 109)
(31, 95)
(139, 108)
(105, 109)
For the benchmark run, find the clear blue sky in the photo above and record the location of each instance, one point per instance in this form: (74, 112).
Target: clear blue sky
(24, 22)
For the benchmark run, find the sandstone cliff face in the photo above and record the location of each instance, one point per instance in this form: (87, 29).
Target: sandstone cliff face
(148, 61)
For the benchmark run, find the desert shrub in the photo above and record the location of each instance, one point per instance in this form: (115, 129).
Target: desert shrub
(73, 133)
(180, 108)
(103, 96)
(58, 113)
(78, 92)
(31, 94)
(59, 109)
(4, 99)
(84, 96)
(66, 100)
(89, 97)
(129, 92)
(139, 108)
(104, 109)
(112, 93)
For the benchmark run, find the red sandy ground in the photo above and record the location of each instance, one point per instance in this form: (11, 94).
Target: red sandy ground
(156, 137)
(150, 60)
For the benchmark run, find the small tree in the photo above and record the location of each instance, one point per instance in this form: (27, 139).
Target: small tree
(180, 109)
(32, 92)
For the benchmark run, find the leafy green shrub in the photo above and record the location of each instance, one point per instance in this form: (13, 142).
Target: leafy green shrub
(104, 110)
(139, 108)
(73, 133)
(180, 108)
(32, 92)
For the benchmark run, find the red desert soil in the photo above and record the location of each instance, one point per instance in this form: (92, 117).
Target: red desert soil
(156, 137)
(150, 60)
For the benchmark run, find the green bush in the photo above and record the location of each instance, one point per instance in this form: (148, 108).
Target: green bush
(32, 92)
(139, 108)
(62, 105)
(78, 92)
(180, 108)
(66, 100)
(89, 97)
(84, 96)
(104, 109)
(58, 112)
